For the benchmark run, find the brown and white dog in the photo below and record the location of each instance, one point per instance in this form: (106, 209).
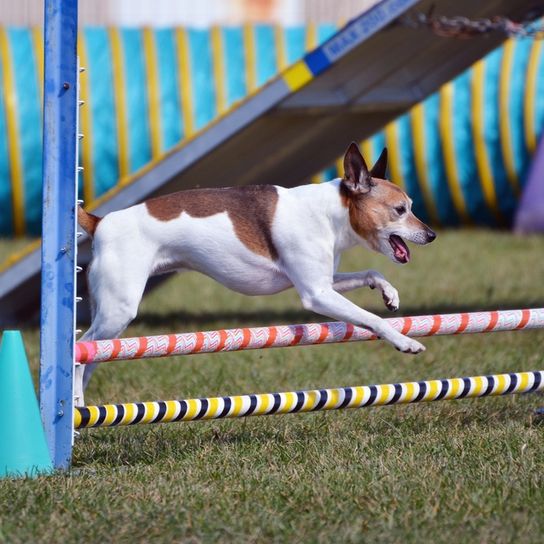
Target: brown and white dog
(256, 240)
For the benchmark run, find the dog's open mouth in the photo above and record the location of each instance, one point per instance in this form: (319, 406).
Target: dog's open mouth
(400, 249)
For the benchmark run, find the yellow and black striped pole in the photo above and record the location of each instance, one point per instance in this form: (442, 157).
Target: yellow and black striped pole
(307, 401)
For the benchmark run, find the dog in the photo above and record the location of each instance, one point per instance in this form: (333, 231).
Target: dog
(256, 240)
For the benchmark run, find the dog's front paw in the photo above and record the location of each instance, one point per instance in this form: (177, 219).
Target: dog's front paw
(389, 294)
(408, 345)
(390, 297)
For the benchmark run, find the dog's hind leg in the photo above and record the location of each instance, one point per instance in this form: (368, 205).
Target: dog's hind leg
(116, 286)
(347, 281)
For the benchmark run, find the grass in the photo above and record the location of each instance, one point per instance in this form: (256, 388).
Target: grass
(470, 470)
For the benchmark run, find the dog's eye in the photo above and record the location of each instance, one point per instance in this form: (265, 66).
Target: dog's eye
(401, 210)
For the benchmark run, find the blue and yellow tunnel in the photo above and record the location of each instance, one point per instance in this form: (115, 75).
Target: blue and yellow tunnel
(462, 154)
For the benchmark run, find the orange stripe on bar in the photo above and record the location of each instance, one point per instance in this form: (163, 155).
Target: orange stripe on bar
(246, 338)
(407, 325)
(272, 337)
(222, 339)
(437, 321)
(463, 325)
(494, 317)
(141, 348)
(525, 316)
(349, 332)
(172, 341)
(199, 342)
(323, 334)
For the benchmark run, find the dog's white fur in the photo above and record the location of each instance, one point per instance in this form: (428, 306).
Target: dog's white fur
(311, 228)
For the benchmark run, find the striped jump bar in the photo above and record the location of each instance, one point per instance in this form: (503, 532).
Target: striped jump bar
(300, 335)
(168, 411)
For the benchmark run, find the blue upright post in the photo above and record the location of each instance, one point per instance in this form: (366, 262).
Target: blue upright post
(59, 228)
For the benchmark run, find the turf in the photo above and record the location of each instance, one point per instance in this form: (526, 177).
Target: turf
(468, 470)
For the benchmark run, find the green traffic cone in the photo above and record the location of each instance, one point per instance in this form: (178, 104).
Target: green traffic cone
(23, 449)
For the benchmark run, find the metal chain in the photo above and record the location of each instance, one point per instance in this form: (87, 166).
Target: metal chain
(463, 27)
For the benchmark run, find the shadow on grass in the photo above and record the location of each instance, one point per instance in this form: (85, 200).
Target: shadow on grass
(275, 317)
(222, 317)
(148, 446)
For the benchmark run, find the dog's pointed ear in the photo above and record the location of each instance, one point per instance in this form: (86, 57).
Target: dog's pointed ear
(379, 169)
(357, 178)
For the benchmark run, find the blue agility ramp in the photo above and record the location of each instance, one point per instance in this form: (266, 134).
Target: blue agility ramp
(359, 80)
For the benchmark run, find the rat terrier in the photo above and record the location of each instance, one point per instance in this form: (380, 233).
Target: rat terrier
(256, 240)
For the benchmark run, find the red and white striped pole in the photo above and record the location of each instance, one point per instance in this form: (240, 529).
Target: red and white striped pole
(301, 335)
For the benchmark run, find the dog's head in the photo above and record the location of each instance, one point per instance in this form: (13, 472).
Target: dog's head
(380, 213)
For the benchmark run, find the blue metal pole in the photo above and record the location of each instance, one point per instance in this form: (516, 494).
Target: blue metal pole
(59, 228)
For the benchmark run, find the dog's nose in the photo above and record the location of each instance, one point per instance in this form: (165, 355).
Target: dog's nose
(431, 235)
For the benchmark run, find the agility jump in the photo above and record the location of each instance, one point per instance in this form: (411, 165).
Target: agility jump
(59, 350)
(292, 402)
(304, 401)
(301, 335)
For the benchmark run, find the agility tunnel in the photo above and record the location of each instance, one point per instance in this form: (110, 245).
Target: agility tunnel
(284, 131)
(462, 154)
(304, 401)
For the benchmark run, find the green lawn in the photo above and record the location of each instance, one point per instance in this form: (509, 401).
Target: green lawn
(468, 470)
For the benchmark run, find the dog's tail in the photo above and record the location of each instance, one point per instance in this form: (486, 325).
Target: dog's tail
(87, 220)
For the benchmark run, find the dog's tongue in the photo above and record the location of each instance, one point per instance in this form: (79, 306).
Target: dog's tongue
(402, 253)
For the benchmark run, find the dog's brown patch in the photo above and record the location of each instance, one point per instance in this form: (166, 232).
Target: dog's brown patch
(251, 210)
(87, 221)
